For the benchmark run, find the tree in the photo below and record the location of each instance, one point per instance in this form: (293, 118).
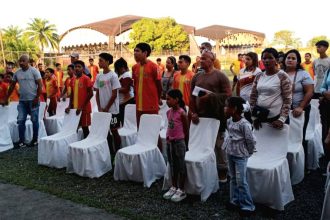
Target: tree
(161, 34)
(42, 33)
(287, 39)
(312, 42)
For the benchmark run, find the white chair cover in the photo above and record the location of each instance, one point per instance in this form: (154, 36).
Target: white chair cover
(142, 162)
(202, 174)
(93, 103)
(268, 170)
(53, 150)
(54, 123)
(162, 112)
(296, 155)
(91, 156)
(128, 133)
(326, 203)
(314, 138)
(29, 128)
(5, 138)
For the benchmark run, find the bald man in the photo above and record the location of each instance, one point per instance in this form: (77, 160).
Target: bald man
(30, 88)
(210, 103)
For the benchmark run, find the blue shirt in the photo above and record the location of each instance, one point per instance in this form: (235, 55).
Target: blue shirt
(326, 82)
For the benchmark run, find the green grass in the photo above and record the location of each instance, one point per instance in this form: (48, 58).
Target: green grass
(126, 199)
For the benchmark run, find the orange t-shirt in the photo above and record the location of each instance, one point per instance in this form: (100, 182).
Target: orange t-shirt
(308, 68)
(79, 92)
(146, 92)
(59, 77)
(67, 85)
(161, 69)
(14, 97)
(51, 87)
(183, 83)
(3, 91)
(94, 70)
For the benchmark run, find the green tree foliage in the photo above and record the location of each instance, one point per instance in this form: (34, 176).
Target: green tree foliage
(42, 33)
(286, 39)
(312, 42)
(161, 34)
(15, 43)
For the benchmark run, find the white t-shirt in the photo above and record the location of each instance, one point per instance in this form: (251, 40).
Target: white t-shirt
(122, 97)
(105, 83)
(320, 67)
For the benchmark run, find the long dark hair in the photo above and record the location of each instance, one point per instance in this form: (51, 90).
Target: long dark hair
(298, 66)
(176, 94)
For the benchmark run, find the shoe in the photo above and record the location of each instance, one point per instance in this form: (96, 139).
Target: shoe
(169, 193)
(246, 213)
(19, 145)
(223, 176)
(178, 196)
(232, 207)
(33, 143)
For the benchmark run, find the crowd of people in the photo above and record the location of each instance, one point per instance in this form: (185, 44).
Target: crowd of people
(265, 90)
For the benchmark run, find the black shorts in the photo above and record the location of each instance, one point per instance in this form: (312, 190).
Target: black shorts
(176, 151)
(115, 122)
(235, 79)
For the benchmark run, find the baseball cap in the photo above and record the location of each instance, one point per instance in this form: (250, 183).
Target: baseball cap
(75, 55)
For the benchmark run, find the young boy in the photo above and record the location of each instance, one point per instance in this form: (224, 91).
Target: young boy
(93, 69)
(14, 97)
(81, 95)
(3, 91)
(51, 89)
(59, 76)
(67, 84)
(147, 82)
(308, 64)
(107, 86)
(235, 67)
(182, 78)
(161, 67)
(321, 65)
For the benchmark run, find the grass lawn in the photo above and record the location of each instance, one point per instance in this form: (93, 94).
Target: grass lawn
(132, 200)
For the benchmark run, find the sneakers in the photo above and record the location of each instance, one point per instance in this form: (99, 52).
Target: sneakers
(33, 143)
(169, 193)
(19, 145)
(178, 196)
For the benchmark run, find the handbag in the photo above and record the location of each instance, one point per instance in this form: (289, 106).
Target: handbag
(260, 113)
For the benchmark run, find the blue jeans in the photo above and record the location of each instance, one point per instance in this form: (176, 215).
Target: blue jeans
(239, 188)
(24, 108)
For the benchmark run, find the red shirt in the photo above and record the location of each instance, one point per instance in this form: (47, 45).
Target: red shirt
(67, 85)
(3, 91)
(183, 83)
(94, 70)
(145, 84)
(79, 92)
(59, 77)
(51, 87)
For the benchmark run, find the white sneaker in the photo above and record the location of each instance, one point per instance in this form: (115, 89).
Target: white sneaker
(178, 196)
(170, 193)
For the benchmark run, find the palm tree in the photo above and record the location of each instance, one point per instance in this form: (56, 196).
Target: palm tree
(43, 33)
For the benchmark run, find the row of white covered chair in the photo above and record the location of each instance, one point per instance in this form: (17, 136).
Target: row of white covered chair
(89, 157)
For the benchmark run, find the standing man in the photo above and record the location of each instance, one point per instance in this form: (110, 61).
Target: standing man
(75, 57)
(147, 82)
(30, 88)
(321, 65)
(308, 65)
(210, 103)
(93, 69)
(208, 46)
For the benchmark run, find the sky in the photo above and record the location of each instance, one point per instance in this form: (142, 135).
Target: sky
(306, 20)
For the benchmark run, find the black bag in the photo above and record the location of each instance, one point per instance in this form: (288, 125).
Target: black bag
(260, 113)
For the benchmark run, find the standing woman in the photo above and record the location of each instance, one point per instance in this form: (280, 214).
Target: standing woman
(167, 77)
(302, 87)
(271, 94)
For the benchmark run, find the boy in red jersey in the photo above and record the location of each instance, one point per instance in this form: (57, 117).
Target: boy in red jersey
(81, 95)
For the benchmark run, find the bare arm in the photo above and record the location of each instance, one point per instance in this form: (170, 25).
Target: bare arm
(10, 90)
(185, 124)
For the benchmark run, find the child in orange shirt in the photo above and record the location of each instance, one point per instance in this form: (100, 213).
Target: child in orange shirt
(67, 83)
(81, 95)
(3, 91)
(59, 76)
(14, 97)
(93, 69)
(51, 89)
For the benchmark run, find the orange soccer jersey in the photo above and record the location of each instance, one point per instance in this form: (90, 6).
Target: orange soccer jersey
(59, 77)
(308, 68)
(51, 87)
(67, 85)
(3, 91)
(79, 92)
(14, 97)
(94, 70)
(146, 92)
(183, 83)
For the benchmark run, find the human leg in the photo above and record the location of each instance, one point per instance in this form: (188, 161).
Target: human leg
(22, 109)
(221, 157)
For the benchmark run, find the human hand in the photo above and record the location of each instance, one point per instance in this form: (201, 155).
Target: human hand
(277, 124)
(63, 99)
(297, 112)
(35, 102)
(326, 95)
(195, 118)
(257, 124)
(78, 111)
(67, 110)
(160, 102)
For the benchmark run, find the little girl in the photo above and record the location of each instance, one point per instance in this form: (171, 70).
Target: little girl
(177, 140)
(239, 144)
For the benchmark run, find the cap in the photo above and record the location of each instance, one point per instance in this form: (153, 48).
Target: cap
(75, 55)
(322, 43)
